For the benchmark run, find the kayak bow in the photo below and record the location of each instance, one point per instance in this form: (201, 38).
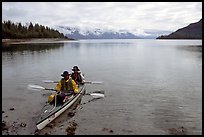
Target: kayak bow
(52, 110)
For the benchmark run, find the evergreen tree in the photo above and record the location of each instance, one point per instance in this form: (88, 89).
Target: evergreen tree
(12, 30)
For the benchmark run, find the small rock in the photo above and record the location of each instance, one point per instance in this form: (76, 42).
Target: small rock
(4, 126)
(36, 132)
(11, 109)
(105, 129)
(23, 124)
(51, 125)
(74, 124)
(61, 125)
(3, 111)
(71, 114)
(3, 123)
(178, 131)
(14, 125)
(111, 131)
(182, 130)
(71, 128)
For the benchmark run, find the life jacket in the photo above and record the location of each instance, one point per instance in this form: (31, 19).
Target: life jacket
(67, 85)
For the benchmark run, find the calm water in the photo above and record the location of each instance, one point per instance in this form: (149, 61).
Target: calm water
(151, 86)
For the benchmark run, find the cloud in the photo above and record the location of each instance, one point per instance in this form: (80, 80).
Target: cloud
(115, 15)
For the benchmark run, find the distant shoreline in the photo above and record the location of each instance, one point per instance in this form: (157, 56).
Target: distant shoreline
(33, 40)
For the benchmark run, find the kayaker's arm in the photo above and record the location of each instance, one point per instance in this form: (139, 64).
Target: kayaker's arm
(75, 87)
(58, 86)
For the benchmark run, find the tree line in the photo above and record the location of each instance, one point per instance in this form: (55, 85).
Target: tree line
(11, 30)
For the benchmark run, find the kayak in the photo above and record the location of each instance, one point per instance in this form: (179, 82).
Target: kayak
(52, 110)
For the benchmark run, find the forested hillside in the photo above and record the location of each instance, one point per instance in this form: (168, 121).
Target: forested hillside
(12, 30)
(192, 31)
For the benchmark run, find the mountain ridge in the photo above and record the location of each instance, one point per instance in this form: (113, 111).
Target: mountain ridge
(99, 33)
(192, 31)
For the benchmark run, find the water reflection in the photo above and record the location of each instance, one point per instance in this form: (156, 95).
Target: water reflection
(31, 47)
(21, 52)
(196, 48)
(73, 45)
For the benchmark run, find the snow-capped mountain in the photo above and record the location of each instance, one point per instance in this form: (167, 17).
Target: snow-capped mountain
(96, 33)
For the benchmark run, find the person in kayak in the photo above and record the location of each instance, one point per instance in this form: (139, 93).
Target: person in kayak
(65, 87)
(66, 84)
(77, 76)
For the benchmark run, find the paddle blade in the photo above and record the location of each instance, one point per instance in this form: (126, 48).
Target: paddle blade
(93, 82)
(49, 81)
(97, 95)
(97, 82)
(35, 87)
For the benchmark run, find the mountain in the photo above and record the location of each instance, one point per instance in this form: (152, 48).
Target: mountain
(78, 33)
(96, 33)
(192, 31)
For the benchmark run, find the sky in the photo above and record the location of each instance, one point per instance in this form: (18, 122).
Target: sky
(137, 16)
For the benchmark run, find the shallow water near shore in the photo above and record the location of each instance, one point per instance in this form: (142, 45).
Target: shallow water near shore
(151, 86)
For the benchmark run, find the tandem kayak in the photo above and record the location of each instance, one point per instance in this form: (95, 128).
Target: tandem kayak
(52, 110)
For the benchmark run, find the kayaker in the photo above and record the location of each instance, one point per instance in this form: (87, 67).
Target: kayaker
(66, 86)
(77, 76)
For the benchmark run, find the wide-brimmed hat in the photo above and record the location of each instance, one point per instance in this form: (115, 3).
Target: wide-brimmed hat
(65, 73)
(75, 68)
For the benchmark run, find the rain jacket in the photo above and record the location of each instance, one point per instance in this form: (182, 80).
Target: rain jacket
(69, 85)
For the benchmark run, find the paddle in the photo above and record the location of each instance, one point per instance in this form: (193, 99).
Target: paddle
(37, 87)
(86, 82)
